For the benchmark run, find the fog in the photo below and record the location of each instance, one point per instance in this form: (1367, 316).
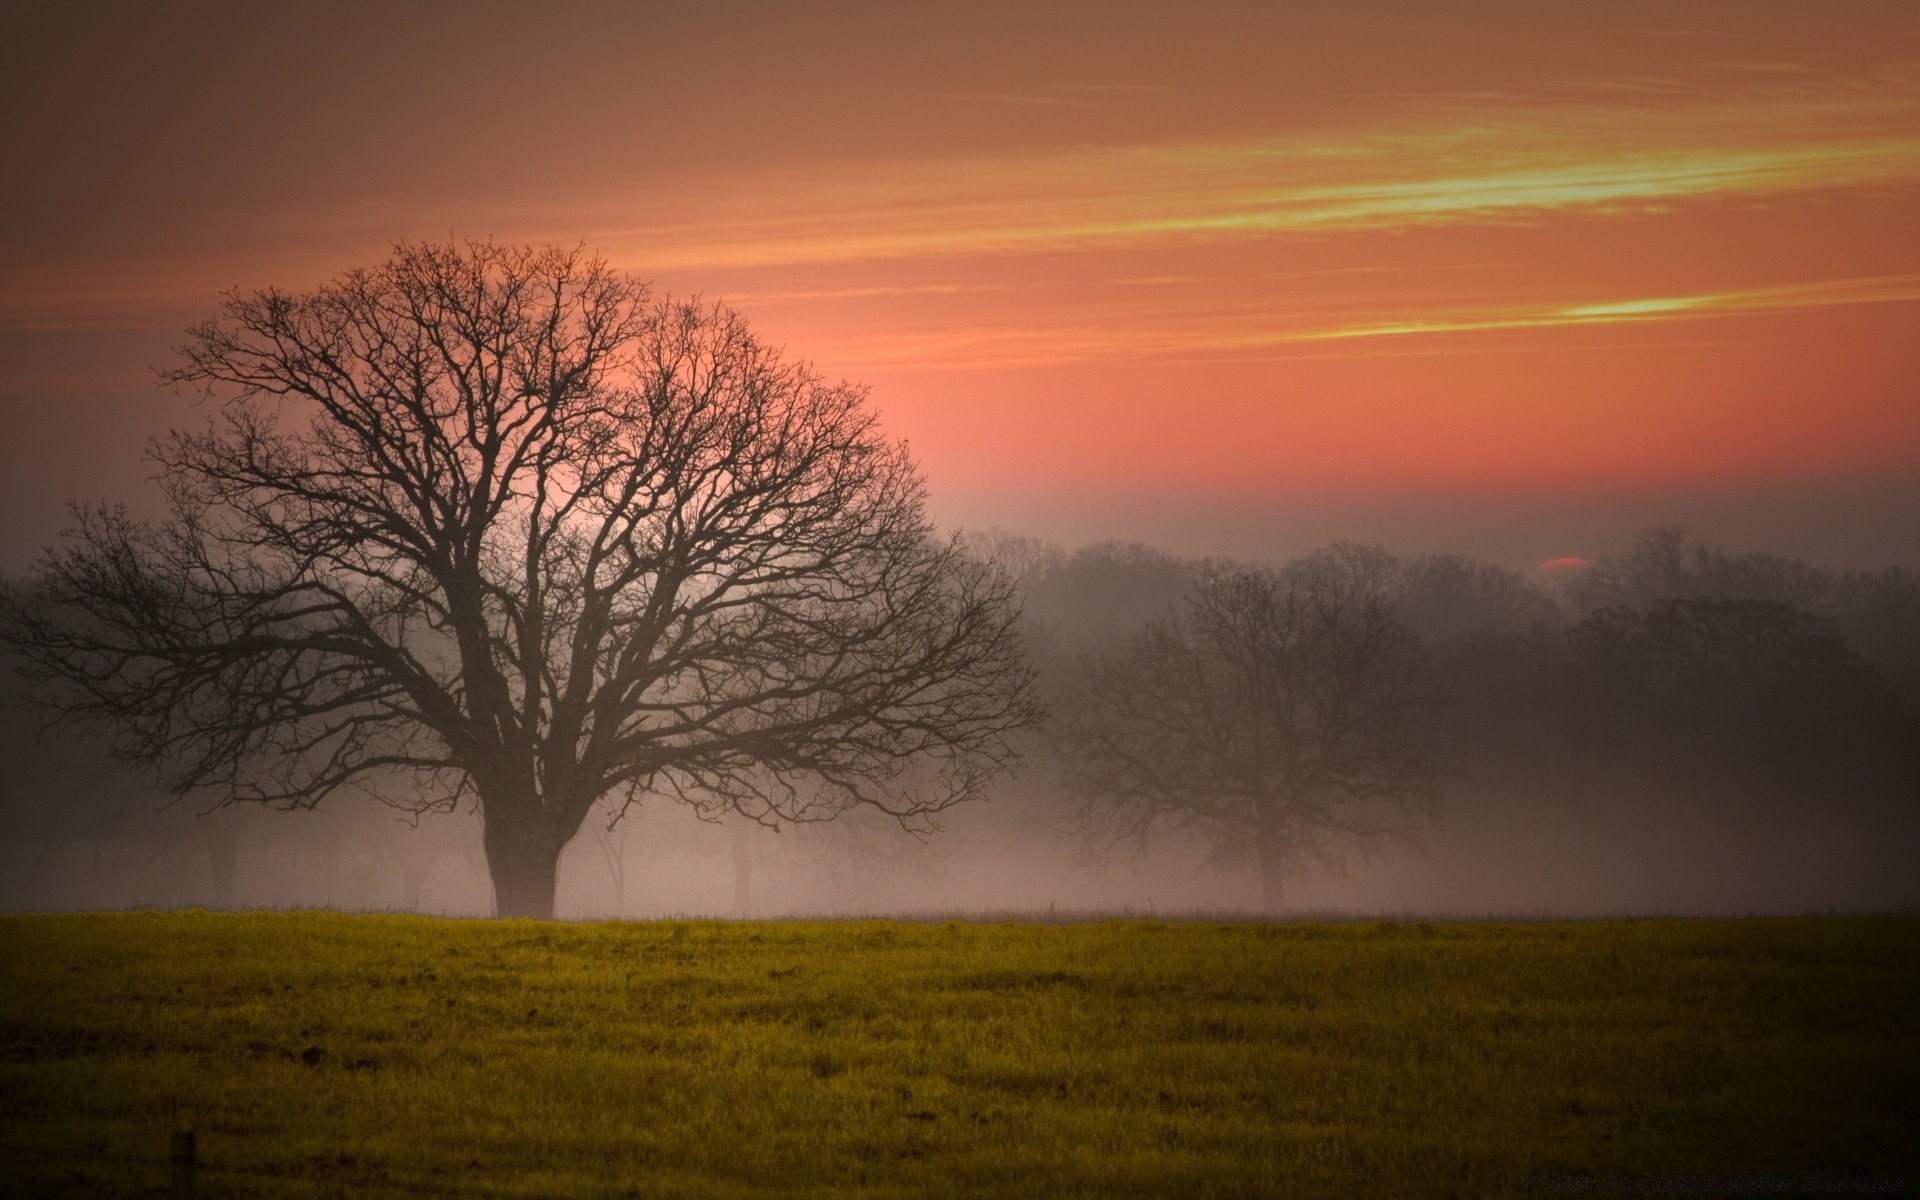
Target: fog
(1774, 775)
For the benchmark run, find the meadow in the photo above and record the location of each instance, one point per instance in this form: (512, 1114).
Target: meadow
(321, 1054)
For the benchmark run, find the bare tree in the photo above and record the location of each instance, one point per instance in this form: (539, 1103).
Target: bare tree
(742, 853)
(496, 521)
(1278, 715)
(1451, 600)
(220, 833)
(1666, 564)
(1751, 700)
(613, 850)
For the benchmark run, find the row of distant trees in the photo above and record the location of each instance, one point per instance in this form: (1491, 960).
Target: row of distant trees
(1300, 713)
(496, 527)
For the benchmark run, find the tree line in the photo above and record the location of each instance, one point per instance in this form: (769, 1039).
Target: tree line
(1297, 714)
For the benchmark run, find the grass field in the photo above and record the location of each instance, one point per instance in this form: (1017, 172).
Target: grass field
(321, 1054)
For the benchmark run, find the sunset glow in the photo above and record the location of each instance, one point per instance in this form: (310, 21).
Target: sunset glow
(1241, 267)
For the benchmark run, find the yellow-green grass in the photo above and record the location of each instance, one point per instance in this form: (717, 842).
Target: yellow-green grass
(325, 1054)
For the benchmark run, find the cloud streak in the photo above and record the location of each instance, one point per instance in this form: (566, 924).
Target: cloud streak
(1506, 162)
(1886, 289)
(1239, 333)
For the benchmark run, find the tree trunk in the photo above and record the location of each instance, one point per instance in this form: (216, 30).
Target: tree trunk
(613, 847)
(413, 878)
(524, 860)
(220, 831)
(1272, 877)
(742, 869)
(1273, 863)
(617, 867)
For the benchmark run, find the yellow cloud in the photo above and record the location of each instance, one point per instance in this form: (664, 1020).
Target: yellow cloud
(1882, 289)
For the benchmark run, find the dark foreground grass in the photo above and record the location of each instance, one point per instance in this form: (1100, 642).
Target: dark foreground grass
(319, 1054)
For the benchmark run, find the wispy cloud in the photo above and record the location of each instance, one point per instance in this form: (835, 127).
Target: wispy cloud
(1068, 95)
(1015, 98)
(1266, 329)
(1764, 68)
(1671, 144)
(1885, 289)
(861, 292)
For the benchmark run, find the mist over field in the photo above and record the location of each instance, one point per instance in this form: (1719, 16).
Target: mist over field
(1559, 793)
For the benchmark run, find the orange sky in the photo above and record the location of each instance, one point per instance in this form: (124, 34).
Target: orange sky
(1509, 278)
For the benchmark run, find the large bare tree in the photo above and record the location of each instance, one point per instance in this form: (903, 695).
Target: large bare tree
(497, 522)
(1279, 715)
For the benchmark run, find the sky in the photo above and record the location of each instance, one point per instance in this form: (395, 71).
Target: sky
(1513, 279)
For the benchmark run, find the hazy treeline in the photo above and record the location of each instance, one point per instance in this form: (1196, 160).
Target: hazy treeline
(1672, 727)
(1675, 727)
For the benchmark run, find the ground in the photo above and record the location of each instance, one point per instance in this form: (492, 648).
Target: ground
(321, 1054)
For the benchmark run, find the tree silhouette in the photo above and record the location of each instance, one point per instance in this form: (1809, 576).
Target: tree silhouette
(1276, 714)
(1751, 697)
(1665, 564)
(500, 518)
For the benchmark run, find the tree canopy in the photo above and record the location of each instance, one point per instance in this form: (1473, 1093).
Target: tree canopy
(1279, 715)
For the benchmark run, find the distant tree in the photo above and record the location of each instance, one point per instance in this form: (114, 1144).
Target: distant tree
(1665, 564)
(416, 856)
(1751, 697)
(1450, 599)
(1023, 558)
(495, 521)
(740, 850)
(1493, 635)
(613, 851)
(1277, 715)
(1103, 592)
(220, 832)
(1879, 612)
